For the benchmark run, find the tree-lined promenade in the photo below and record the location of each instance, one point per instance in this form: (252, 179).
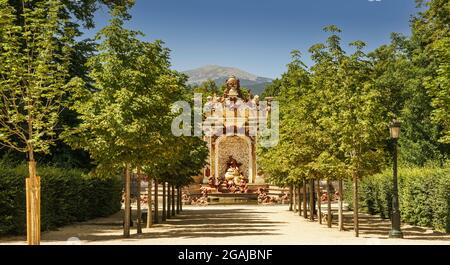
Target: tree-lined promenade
(111, 98)
(89, 114)
(237, 225)
(335, 119)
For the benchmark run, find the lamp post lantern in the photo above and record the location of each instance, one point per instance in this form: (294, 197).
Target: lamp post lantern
(394, 128)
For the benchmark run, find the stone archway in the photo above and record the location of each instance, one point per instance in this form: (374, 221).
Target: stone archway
(240, 147)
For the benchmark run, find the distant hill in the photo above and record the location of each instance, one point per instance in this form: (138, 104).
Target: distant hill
(219, 74)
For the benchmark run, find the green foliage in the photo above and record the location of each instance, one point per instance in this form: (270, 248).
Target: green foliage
(333, 122)
(185, 159)
(35, 56)
(272, 90)
(439, 87)
(432, 33)
(350, 116)
(334, 115)
(399, 77)
(421, 71)
(67, 196)
(208, 88)
(70, 17)
(424, 195)
(286, 163)
(126, 117)
(375, 195)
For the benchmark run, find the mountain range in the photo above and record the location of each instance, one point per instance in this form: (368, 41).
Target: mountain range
(219, 74)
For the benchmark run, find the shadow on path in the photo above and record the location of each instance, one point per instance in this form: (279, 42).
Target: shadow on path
(211, 224)
(375, 226)
(191, 223)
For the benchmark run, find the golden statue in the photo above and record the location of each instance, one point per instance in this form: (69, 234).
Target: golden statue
(233, 172)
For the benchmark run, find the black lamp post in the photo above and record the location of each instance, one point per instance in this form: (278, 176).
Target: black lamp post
(394, 128)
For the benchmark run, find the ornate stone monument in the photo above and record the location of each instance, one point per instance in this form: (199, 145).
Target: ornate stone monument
(232, 154)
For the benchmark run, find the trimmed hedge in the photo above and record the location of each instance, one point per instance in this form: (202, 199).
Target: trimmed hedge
(67, 196)
(424, 195)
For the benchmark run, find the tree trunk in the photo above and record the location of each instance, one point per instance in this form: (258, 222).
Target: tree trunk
(341, 217)
(329, 219)
(311, 200)
(299, 198)
(294, 199)
(156, 216)
(178, 200)
(33, 192)
(138, 202)
(319, 202)
(169, 201)
(355, 204)
(149, 203)
(305, 200)
(127, 213)
(314, 198)
(33, 204)
(164, 212)
(290, 198)
(181, 199)
(173, 200)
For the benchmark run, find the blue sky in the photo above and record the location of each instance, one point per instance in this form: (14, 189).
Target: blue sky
(258, 35)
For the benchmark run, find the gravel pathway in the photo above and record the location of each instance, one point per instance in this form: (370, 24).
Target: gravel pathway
(234, 225)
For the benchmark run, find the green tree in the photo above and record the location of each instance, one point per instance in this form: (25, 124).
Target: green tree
(431, 36)
(420, 69)
(125, 119)
(72, 16)
(207, 88)
(439, 88)
(355, 117)
(35, 81)
(284, 164)
(333, 121)
(272, 90)
(178, 158)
